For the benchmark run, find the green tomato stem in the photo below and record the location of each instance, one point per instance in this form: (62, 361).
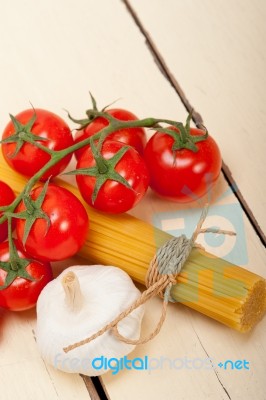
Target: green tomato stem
(58, 155)
(13, 256)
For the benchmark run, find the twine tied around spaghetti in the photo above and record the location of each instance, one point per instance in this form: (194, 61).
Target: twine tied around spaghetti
(161, 276)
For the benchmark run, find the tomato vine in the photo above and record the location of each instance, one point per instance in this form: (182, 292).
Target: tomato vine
(104, 170)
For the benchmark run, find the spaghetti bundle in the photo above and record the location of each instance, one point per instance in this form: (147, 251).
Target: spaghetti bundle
(216, 288)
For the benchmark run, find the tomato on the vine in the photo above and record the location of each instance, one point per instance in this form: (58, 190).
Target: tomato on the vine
(28, 129)
(115, 181)
(65, 234)
(22, 293)
(7, 196)
(134, 137)
(182, 168)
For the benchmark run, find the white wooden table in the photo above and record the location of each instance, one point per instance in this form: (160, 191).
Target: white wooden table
(160, 57)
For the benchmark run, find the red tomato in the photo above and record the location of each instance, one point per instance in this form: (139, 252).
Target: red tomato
(7, 197)
(68, 226)
(113, 196)
(182, 175)
(134, 137)
(22, 293)
(31, 159)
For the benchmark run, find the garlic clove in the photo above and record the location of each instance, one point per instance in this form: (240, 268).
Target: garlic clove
(89, 298)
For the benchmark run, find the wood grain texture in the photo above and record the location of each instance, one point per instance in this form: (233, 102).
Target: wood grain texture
(215, 51)
(52, 53)
(91, 388)
(182, 338)
(23, 374)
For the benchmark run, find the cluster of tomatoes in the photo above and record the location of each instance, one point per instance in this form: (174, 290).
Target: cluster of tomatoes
(112, 178)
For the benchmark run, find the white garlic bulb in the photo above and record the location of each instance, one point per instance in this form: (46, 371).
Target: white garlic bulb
(76, 305)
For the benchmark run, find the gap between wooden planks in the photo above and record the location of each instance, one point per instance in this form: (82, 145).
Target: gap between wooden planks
(183, 314)
(213, 49)
(197, 118)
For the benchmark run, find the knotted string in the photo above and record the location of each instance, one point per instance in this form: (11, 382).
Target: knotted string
(161, 276)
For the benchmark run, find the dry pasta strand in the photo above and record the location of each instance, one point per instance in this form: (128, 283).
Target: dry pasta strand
(214, 287)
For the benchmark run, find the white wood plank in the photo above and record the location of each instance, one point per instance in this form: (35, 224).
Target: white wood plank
(23, 374)
(189, 336)
(216, 51)
(53, 53)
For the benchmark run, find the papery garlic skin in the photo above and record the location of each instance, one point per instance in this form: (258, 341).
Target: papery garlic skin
(106, 292)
